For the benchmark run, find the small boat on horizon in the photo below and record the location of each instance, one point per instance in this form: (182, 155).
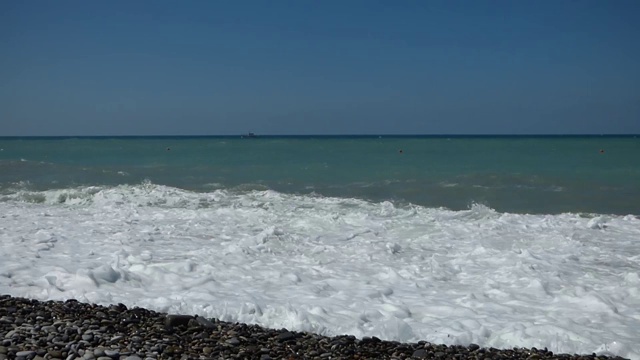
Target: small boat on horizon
(249, 135)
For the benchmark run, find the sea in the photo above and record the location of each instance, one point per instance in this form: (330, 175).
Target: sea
(503, 241)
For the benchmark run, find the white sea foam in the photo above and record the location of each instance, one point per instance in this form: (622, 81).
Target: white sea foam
(333, 266)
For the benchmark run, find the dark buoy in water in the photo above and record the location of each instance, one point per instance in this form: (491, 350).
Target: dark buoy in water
(400, 151)
(168, 148)
(601, 151)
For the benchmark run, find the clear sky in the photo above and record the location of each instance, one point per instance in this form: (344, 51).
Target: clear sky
(224, 67)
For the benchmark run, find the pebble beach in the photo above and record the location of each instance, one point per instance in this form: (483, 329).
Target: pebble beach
(31, 329)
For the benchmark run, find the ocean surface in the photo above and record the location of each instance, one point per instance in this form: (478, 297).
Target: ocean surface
(497, 240)
(539, 175)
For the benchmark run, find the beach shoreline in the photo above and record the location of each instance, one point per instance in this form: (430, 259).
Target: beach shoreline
(32, 329)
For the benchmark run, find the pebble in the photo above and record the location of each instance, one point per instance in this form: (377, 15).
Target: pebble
(205, 323)
(112, 353)
(27, 353)
(99, 352)
(35, 330)
(287, 335)
(420, 354)
(55, 353)
(177, 320)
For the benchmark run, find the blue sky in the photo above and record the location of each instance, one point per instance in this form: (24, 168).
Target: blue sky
(319, 67)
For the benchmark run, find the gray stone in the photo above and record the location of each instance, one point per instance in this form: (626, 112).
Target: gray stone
(27, 353)
(55, 353)
(205, 323)
(177, 320)
(112, 353)
(98, 352)
(420, 354)
(233, 341)
(287, 335)
(49, 329)
(101, 315)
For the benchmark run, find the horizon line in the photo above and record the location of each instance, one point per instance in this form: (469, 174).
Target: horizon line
(323, 135)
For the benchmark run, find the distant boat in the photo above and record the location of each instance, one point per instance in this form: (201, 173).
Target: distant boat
(249, 135)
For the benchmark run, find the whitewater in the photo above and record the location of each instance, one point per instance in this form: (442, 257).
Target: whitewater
(568, 282)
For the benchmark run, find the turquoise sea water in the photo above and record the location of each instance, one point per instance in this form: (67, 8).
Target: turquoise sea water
(538, 174)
